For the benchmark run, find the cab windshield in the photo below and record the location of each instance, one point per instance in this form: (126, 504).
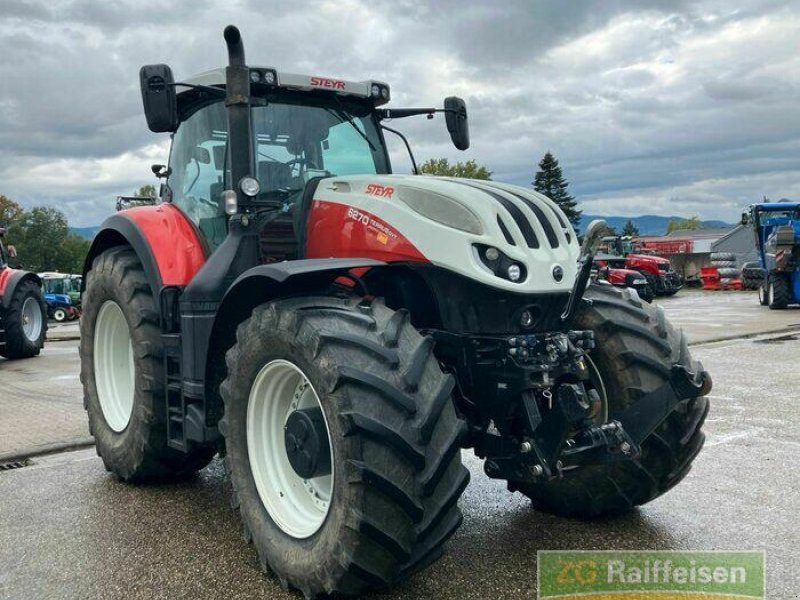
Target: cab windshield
(780, 216)
(293, 143)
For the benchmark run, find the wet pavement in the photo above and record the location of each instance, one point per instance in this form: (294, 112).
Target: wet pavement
(69, 330)
(69, 530)
(41, 401)
(707, 316)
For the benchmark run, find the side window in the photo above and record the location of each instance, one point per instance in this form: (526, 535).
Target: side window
(198, 161)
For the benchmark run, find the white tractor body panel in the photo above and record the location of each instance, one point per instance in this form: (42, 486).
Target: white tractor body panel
(538, 234)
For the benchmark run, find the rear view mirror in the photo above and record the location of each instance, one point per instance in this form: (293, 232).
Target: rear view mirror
(456, 119)
(158, 98)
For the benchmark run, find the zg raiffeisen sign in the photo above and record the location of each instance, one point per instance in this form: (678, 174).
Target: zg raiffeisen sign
(650, 575)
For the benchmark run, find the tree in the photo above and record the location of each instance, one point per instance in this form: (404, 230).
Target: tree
(550, 181)
(146, 191)
(630, 229)
(676, 224)
(469, 169)
(73, 253)
(10, 211)
(44, 243)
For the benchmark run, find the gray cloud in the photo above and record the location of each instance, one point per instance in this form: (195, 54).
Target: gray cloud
(651, 106)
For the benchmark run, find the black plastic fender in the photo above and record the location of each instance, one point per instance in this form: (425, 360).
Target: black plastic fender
(252, 288)
(266, 282)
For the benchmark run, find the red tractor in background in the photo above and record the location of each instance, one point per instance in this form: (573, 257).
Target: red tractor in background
(339, 333)
(624, 253)
(620, 277)
(23, 312)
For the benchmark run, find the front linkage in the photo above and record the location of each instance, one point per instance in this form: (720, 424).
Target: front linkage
(542, 410)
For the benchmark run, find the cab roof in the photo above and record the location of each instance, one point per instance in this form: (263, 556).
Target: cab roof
(378, 91)
(769, 206)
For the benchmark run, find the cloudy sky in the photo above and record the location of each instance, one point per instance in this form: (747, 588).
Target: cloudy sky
(652, 107)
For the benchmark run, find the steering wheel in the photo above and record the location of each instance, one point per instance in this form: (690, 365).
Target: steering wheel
(301, 161)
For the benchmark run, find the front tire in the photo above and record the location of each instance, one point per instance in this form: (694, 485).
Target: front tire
(763, 299)
(25, 322)
(123, 376)
(779, 291)
(636, 349)
(393, 435)
(652, 284)
(59, 315)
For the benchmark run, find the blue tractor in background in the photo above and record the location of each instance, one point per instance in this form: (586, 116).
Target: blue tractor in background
(62, 294)
(777, 231)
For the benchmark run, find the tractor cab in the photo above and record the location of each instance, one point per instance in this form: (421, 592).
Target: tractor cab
(292, 131)
(299, 134)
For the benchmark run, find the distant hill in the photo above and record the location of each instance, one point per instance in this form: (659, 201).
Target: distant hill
(85, 232)
(647, 224)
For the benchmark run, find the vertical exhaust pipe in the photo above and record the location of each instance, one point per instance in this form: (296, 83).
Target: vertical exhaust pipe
(237, 102)
(235, 47)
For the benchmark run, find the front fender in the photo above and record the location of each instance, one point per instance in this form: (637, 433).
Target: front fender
(262, 284)
(267, 282)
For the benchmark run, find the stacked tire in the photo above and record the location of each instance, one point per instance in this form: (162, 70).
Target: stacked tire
(752, 275)
(726, 266)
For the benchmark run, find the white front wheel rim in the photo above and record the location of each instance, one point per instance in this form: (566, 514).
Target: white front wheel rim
(31, 319)
(114, 368)
(297, 506)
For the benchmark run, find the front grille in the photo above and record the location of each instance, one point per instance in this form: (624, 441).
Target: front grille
(552, 238)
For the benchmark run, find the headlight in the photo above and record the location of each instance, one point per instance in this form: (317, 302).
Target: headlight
(441, 209)
(249, 186)
(639, 282)
(501, 265)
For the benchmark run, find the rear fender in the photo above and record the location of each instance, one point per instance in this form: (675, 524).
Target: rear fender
(10, 279)
(165, 240)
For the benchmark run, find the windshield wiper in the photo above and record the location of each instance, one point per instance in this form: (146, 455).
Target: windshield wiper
(342, 115)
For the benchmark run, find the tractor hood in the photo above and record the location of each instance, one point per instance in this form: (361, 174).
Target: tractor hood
(626, 273)
(659, 260)
(450, 223)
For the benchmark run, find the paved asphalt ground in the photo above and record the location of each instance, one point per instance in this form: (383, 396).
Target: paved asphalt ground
(69, 530)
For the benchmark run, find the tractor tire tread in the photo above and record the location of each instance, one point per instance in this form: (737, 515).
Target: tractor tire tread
(395, 403)
(146, 456)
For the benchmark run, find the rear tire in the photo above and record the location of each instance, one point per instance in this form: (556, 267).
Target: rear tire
(25, 322)
(723, 256)
(394, 437)
(121, 357)
(636, 348)
(779, 291)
